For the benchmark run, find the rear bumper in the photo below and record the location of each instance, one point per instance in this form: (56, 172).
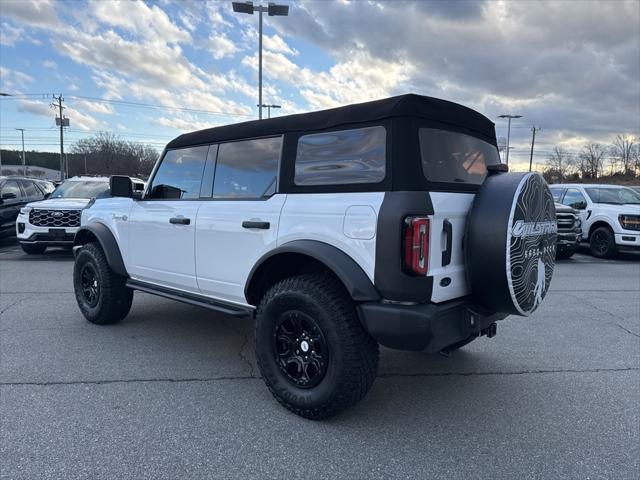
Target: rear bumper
(425, 327)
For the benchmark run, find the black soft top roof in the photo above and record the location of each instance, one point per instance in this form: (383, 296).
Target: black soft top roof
(410, 105)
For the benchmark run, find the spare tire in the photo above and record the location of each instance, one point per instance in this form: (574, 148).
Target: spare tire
(510, 243)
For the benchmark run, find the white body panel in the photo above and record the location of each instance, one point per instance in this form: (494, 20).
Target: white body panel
(112, 212)
(321, 217)
(453, 207)
(607, 213)
(161, 252)
(225, 250)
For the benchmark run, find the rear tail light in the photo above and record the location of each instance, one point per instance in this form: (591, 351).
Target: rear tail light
(416, 245)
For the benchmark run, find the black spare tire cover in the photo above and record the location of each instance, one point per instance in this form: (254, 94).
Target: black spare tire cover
(510, 245)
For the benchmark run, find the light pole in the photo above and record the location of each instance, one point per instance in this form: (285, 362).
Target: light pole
(509, 132)
(24, 164)
(269, 107)
(272, 10)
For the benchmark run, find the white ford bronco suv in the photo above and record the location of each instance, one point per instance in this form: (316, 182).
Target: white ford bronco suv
(390, 222)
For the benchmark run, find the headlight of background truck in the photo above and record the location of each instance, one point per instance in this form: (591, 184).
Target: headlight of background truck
(629, 222)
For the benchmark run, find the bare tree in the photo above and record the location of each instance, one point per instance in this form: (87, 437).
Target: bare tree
(591, 160)
(559, 165)
(106, 153)
(622, 151)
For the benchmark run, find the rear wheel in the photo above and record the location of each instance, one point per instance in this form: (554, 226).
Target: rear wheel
(101, 294)
(603, 243)
(312, 351)
(33, 249)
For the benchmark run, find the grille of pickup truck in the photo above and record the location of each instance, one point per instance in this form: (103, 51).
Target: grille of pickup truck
(565, 221)
(54, 218)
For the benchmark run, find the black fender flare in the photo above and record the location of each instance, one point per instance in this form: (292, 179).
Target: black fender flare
(355, 280)
(107, 242)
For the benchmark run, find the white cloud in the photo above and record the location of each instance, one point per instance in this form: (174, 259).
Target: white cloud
(35, 107)
(33, 13)
(275, 43)
(95, 107)
(49, 64)
(220, 46)
(9, 34)
(137, 17)
(13, 80)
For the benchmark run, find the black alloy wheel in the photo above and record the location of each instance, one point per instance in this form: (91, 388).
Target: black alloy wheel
(90, 284)
(302, 353)
(602, 243)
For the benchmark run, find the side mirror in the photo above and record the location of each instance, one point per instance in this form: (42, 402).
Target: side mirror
(579, 205)
(47, 195)
(8, 195)
(121, 186)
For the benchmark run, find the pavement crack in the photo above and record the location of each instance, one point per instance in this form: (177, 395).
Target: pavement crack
(13, 304)
(253, 377)
(131, 380)
(615, 324)
(245, 343)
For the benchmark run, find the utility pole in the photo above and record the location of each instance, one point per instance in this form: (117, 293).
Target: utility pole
(63, 122)
(24, 164)
(533, 141)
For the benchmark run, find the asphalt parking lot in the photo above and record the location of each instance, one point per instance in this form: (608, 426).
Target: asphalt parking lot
(173, 391)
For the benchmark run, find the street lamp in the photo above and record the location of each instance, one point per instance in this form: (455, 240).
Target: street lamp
(24, 164)
(269, 107)
(509, 132)
(272, 10)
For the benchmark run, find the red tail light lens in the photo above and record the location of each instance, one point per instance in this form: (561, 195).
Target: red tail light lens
(416, 245)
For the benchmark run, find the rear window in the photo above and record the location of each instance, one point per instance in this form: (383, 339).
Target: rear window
(451, 157)
(342, 157)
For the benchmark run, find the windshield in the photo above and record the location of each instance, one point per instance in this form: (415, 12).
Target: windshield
(455, 157)
(77, 189)
(614, 196)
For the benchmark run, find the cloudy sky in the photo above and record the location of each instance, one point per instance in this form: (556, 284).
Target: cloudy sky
(151, 70)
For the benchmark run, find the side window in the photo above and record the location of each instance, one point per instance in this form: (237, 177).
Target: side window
(341, 157)
(30, 189)
(179, 175)
(11, 187)
(574, 198)
(557, 193)
(247, 169)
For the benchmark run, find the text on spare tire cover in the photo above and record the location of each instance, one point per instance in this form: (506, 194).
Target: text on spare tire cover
(531, 247)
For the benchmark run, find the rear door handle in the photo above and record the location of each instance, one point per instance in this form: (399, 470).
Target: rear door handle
(448, 231)
(256, 224)
(180, 221)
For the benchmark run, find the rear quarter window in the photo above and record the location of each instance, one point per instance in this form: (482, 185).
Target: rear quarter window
(342, 157)
(452, 157)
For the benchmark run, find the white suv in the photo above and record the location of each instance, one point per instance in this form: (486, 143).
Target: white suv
(55, 221)
(337, 230)
(610, 215)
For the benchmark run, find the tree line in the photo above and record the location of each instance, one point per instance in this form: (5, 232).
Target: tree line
(618, 161)
(104, 153)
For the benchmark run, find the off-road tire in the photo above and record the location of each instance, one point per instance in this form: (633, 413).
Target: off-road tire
(602, 243)
(352, 352)
(113, 298)
(33, 249)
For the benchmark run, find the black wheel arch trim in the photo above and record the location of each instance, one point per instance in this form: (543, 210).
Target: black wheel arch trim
(355, 280)
(107, 242)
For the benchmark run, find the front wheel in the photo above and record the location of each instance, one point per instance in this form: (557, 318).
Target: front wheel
(101, 294)
(603, 243)
(312, 351)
